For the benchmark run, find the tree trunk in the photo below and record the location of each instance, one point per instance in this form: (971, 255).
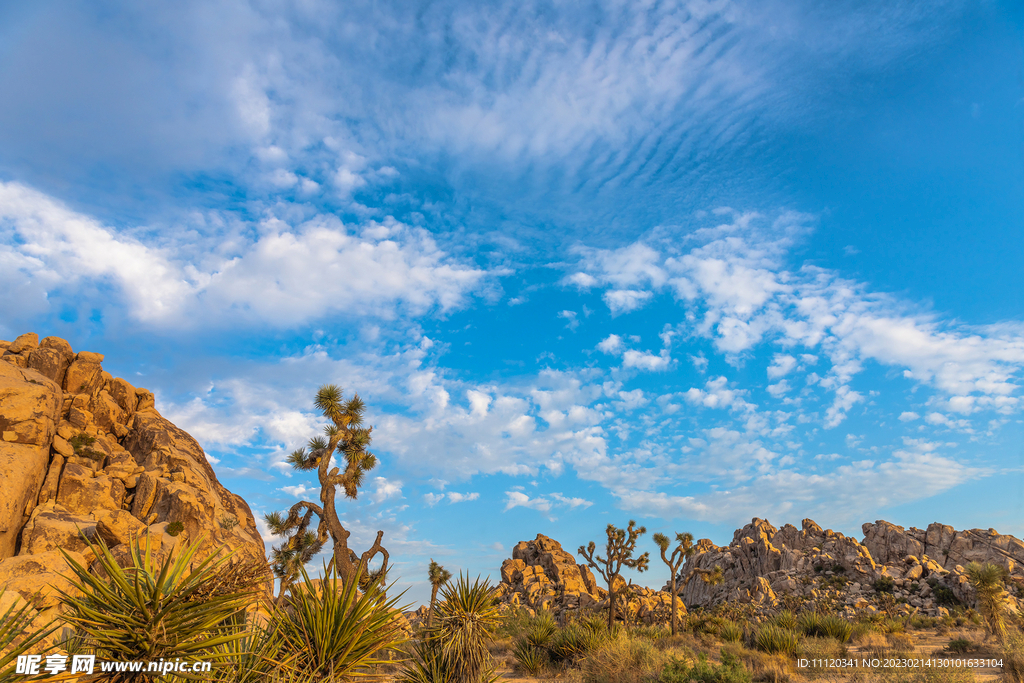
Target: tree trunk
(672, 587)
(611, 603)
(433, 599)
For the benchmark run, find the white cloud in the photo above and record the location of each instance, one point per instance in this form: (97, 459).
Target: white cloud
(909, 416)
(286, 275)
(782, 365)
(516, 499)
(571, 320)
(625, 300)
(432, 499)
(454, 497)
(642, 360)
(385, 489)
(611, 344)
(298, 491)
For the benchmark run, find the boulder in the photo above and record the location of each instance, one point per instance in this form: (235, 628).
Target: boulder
(29, 412)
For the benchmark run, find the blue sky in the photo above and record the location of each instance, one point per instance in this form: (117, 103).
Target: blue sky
(688, 262)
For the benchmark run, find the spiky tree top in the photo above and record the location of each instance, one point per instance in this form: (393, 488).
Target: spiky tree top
(345, 436)
(437, 574)
(619, 553)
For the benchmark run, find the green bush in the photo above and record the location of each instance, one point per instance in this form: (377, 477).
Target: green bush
(884, 585)
(810, 624)
(175, 528)
(530, 659)
(945, 597)
(731, 670)
(623, 659)
(576, 641)
(730, 632)
(540, 630)
(785, 619)
(959, 646)
(834, 626)
(772, 638)
(1013, 657)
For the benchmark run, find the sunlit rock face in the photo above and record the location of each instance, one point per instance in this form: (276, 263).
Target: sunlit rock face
(84, 453)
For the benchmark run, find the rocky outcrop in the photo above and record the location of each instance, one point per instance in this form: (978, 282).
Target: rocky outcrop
(540, 575)
(85, 453)
(921, 570)
(889, 543)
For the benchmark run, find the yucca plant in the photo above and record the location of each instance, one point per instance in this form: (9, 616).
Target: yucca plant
(14, 625)
(730, 632)
(529, 658)
(786, 619)
(772, 638)
(541, 629)
(834, 626)
(576, 641)
(150, 611)
(332, 631)
(454, 649)
(988, 582)
(810, 624)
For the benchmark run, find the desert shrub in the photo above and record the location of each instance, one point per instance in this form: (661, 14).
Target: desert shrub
(920, 622)
(623, 659)
(884, 584)
(959, 645)
(876, 644)
(810, 624)
(838, 582)
(773, 639)
(786, 619)
(228, 522)
(540, 629)
(834, 626)
(894, 626)
(575, 641)
(900, 642)
(863, 628)
(730, 632)
(1013, 657)
(529, 658)
(731, 670)
(513, 622)
(945, 597)
(175, 528)
(763, 667)
(819, 568)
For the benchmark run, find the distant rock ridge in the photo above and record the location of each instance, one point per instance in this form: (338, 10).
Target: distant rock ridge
(83, 450)
(541, 576)
(763, 563)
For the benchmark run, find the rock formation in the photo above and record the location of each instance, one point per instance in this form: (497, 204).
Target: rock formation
(540, 575)
(84, 452)
(926, 568)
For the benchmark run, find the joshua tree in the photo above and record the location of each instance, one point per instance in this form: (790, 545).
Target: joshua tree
(438, 576)
(682, 552)
(619, 554)
(346, 436)
(987, 580)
